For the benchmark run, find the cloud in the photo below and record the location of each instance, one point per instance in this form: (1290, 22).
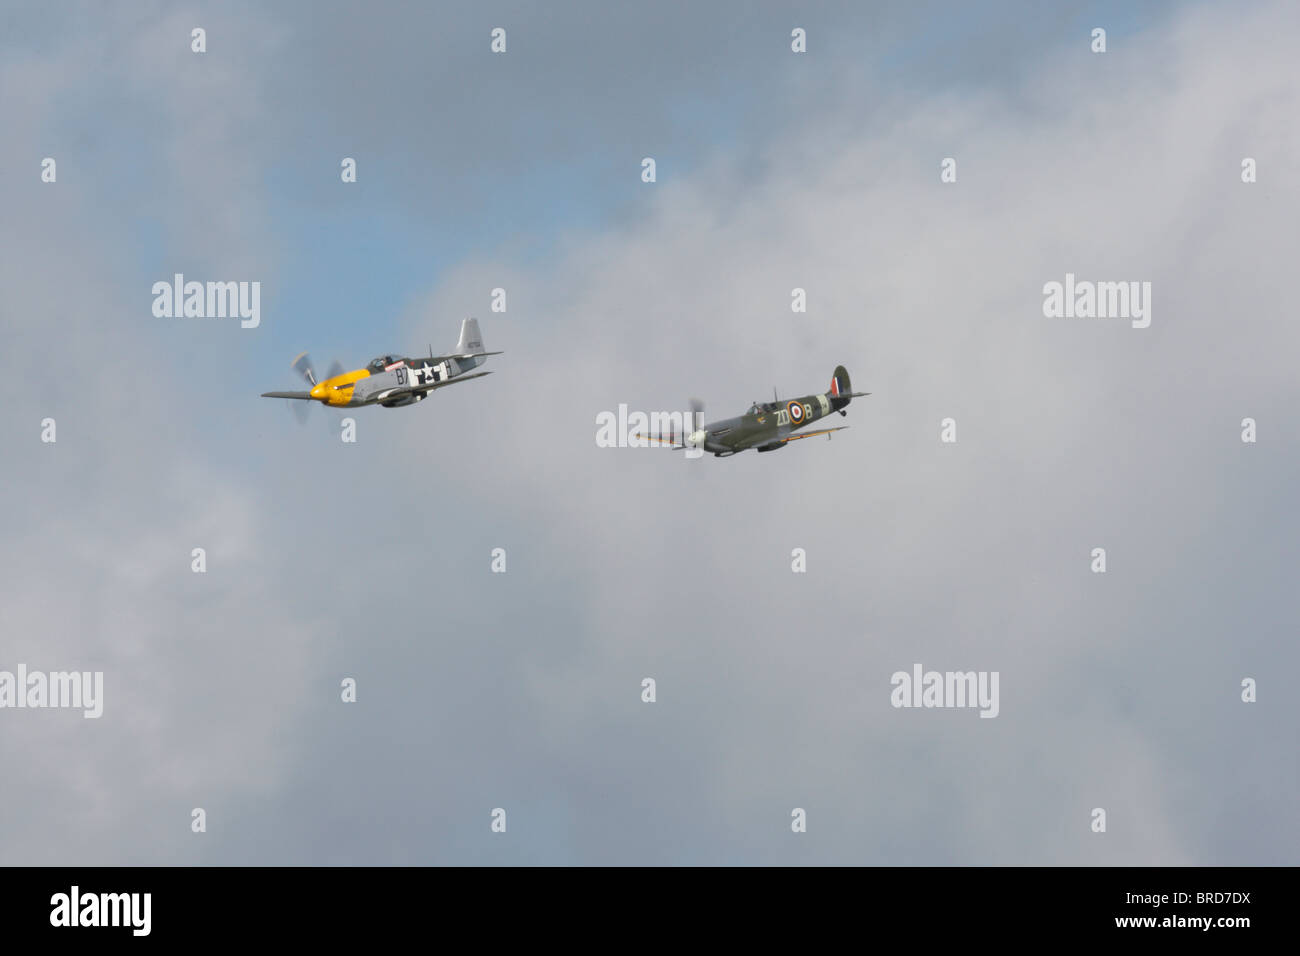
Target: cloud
(522, 690)
(1072, 435)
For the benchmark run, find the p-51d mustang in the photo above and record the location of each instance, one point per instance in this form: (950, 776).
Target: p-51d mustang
(767, 426)
(392, 380)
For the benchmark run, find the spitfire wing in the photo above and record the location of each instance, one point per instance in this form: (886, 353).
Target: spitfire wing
(303, 395)
(820, 431)
(673, 442)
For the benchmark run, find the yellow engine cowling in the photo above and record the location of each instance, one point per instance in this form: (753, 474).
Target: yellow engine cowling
(338, 390)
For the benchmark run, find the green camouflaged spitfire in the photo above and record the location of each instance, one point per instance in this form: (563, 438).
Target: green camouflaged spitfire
(767, 426)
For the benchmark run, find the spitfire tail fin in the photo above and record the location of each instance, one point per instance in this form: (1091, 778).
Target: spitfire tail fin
(471, 340)
(841, 391)
(840, 382)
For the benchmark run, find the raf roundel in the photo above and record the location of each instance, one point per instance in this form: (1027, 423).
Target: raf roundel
(796, 412)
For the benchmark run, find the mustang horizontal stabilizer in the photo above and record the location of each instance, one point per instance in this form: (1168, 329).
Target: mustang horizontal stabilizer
(459, 356)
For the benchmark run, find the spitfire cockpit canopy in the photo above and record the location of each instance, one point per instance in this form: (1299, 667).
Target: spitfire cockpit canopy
(379, 364)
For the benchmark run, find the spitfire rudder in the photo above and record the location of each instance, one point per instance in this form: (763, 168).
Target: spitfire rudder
(841, 392)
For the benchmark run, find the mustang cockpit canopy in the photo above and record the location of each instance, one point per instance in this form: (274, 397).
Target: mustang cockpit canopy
(379, 364)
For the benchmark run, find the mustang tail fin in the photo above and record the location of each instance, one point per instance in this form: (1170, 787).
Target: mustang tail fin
(471, 340)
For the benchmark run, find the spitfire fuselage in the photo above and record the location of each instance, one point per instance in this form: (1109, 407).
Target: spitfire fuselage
(767, 424)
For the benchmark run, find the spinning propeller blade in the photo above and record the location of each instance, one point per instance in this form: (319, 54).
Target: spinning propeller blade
(302, 365)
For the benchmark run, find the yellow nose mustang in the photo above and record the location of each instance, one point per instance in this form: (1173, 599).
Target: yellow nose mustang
(393, 380)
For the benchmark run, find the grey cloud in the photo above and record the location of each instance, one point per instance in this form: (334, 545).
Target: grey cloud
(522, 690)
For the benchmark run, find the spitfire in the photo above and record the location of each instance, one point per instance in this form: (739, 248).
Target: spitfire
(391, 380)
(767, 426)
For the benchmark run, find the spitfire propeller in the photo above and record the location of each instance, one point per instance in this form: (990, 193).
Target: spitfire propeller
(693, 433)
(696, 437)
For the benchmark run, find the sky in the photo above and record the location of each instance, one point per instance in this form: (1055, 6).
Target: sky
(373, 560)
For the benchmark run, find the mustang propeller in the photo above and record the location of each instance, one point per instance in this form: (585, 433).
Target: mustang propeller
(302, 365)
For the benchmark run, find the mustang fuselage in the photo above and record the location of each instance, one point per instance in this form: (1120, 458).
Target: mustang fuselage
(392, 381)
